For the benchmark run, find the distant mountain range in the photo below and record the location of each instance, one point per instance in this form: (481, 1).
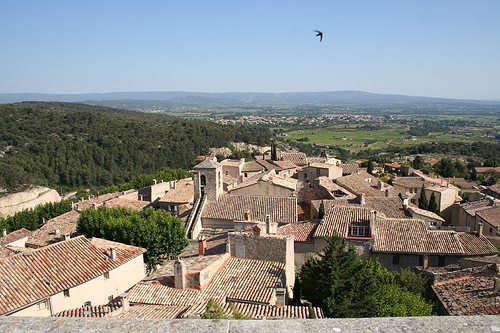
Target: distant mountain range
(240, 98)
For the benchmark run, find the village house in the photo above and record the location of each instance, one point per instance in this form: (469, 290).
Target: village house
(464, 215)
(297, 158)
(490, 219)
(179, 199)
(493, 191)
(365, 183)
(155, 191)
(478, 172)
(397, 242)
(268, 184)
(16, 238)
(66, 275)
(233, 168)
(256, 274)
(319, 169)
(351, 168)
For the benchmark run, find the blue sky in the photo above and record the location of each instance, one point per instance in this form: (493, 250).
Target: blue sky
(428, 48)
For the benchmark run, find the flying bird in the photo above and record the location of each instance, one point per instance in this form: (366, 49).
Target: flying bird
(319, 34)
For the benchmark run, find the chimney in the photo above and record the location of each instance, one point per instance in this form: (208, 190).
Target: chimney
(94, 206)
(112, 253)
(4, 232)
(280, 297)
(362, 199)
(44, 220)
(140, 197)
(179, 274)
(202, 245)
(387, 193)
(496, 284)
(67, 237)
(125, 304)
(373, 217)
(380, 185)
(271, 226)
(256, 230)
(480, 229)
(405, 203)
(425, 264)
(57, 231)
(154, 181)
(72, 205)
(247, 215)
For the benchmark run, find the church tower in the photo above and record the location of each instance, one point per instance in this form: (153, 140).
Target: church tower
(208, 180)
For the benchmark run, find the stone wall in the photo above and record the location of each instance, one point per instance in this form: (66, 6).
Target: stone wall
(463, 324)
(275, 248)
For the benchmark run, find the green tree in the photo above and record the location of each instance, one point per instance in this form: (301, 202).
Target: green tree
(321, 211)
(418, 162)
(160, 233)
(274, 153)
(422, 201)
(214, 311)
(312, 315)
(296, 290)
(490, 177)
(237, 314)
(393, 301)
(339, 282)
(433, 207)
(370, 166)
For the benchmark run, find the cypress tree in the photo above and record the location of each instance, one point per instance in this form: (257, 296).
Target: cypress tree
(274, 154)
(370, 166)
(433, 207)
(214, 311)
(422, 201)
(321, 211)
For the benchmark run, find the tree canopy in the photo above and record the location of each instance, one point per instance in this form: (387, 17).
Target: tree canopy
(344, 286)
(73, 145)
(160, 233)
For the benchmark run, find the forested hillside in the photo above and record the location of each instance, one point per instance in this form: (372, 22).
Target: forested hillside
(65, 144)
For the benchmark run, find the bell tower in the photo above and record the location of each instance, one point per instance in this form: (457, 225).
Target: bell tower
(208, 180)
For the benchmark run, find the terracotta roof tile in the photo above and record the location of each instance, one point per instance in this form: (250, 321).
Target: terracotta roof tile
(296, 158)
(252, 166)
(233, 207)
(126, 203)
(350, 168)
(362, 183)
(338, 219)
(27, 278)
(302, 231)
(270, 177)
(183, 192)
(470, 295)
(91, 311)
(154, 311)
(259, 311)
(157, 294)
(53, 230)
(492, 215)
(14, 236)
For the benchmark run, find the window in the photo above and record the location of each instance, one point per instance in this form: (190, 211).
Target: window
(106, 275)
(441, 261)
(66, 293)
(360, 231)
(395, 259)
(491, 230)
(203, 180)
(318, 171)
(305, 175)
(246, 174)
(42, 305)
(227, 172)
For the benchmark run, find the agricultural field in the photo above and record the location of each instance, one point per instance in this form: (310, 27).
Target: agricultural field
(357, 137)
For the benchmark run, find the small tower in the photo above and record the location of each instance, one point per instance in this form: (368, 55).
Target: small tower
(208, 180)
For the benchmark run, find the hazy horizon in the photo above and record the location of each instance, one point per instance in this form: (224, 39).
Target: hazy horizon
(446, 49)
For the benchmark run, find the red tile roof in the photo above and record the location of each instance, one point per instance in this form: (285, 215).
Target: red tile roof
(157, 294)
(154, 311)
(362, 183)
(259, 311)
(296, 158)
(338, 219)
(302, 231)
(491, 215)
(413, 236)
(53, 231)
(183, 192)
(14, 236)
(470, 295)
(233, 207)
(126, 203)
(92, 311)
(27, 278)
